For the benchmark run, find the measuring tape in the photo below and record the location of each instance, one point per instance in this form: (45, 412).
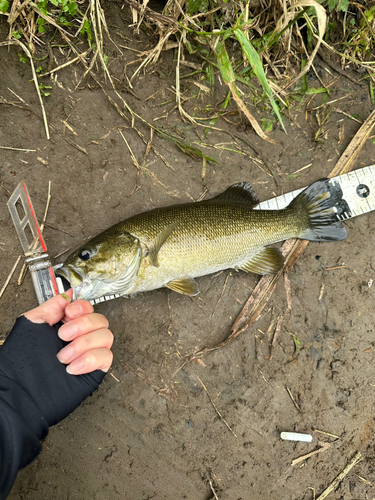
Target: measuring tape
(357, 197)
(358, 191)
(46, 283)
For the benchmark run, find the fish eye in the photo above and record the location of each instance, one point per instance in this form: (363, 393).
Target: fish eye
(84, 255)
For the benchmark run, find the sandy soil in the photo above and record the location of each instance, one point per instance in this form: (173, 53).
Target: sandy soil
(150, 432)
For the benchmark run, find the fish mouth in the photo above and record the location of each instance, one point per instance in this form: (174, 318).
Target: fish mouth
(69, 276)
(63, 272)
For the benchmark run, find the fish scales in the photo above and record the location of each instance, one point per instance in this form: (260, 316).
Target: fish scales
(208, 237)
(170, 246)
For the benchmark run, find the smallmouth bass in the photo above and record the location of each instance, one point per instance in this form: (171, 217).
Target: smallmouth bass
(170, 246)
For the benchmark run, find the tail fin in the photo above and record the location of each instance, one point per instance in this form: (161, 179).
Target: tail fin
(322, 206)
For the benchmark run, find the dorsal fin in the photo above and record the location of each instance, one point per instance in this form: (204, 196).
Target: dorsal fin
(242, 192)
(158, 242)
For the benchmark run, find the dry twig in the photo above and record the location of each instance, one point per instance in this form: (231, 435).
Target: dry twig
(323, 447)
(75, 59)
(35, 79)
(292, 398)
(22, 274)
(213, 490)
(326, 433)
(49, 196)
(18, 149)
(340, 477)
(215, 407)
(29, 108)
(134, 159)
(61, 253)
(276, 334)
(10, 276)
(222, 293)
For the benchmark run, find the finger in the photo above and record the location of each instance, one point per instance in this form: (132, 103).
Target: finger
(96, 359)
(94, 340)
(76, 309)
(82, 325)
(52, 311)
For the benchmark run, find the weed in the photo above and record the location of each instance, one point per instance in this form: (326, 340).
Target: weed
(22, 57)
(357, 19)
(371, 88)
(249, 46)
(4, 6)
(34, 17)
(267, 124)
(17, 34)
(237, 41)
(255, 43)
(340, 5)
(44, 90)
(86, 30)
(65, 9)
(297, 345)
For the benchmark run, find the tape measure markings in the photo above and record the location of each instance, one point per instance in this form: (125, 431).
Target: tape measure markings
(355, 193)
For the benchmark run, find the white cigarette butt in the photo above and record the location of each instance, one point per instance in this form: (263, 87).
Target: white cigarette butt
(295, 436)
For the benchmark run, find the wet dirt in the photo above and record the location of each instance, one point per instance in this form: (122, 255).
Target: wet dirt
(158, 429)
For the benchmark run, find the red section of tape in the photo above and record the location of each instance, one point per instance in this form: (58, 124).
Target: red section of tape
(53, 279)
(39, 231)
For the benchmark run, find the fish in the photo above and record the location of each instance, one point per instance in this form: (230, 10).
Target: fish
(171, 246)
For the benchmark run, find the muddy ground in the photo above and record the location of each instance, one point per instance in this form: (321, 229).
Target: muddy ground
(151, 430)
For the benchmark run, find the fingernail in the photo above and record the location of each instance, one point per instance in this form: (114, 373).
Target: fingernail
(74, 310)
(74, 367)
(65, 354)
(64, 296)
(67, 331)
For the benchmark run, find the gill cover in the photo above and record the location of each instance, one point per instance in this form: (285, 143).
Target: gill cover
(109, 263)
(124, 282)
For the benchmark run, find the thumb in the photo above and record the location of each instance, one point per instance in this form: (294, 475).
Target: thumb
(52, 311)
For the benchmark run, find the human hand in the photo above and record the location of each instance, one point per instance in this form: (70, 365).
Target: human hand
(87, 332)
(36, 390)
(29, 362)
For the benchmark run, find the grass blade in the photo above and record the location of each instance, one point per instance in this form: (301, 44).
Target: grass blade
(229, 78)
(254, 59)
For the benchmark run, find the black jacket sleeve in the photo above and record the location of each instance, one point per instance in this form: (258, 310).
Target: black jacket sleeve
(35, 393)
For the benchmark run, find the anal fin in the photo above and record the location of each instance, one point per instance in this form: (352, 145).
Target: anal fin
(267, 261)
(186, 286)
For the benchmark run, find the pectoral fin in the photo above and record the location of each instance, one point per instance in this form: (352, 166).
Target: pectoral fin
(268, 261)
(158, 242)
(187, 286)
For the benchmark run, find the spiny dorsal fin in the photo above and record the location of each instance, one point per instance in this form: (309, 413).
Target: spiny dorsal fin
(242, 192)
(268, 261)
(158, 242)
(187, 286)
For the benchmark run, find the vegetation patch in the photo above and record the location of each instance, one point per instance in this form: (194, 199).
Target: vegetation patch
(261, 52)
